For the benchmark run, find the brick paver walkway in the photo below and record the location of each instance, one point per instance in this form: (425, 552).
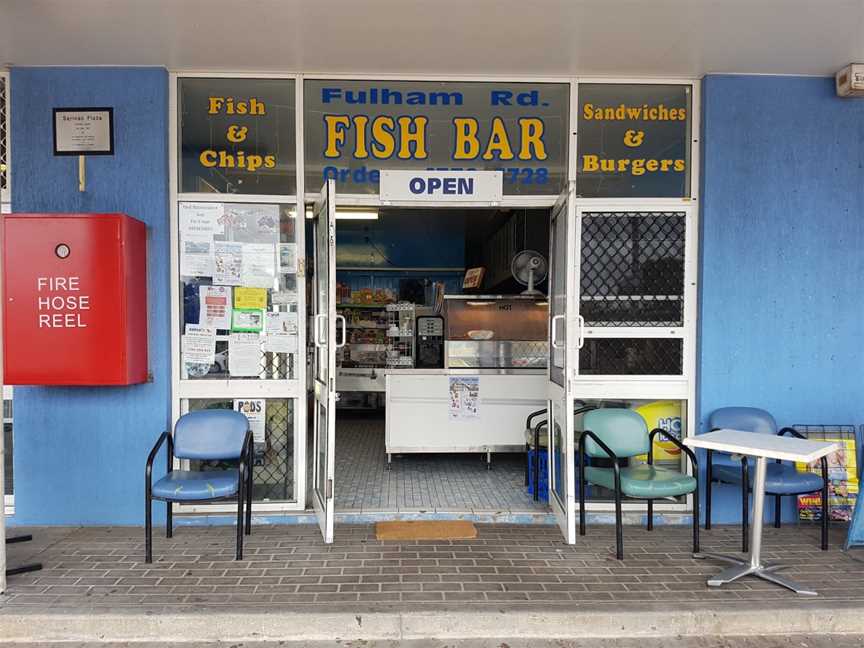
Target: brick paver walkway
(288, 567)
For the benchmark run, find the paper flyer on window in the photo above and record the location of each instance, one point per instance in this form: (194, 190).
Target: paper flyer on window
(250, 298)
(259, 265)
(198, 344)
(244, 354)
(288, 258)
(196, 257)
(255, 411)
(215, 306)
(227, 263)
(201, 220)
(247, 320)
(464, 397)
(253, 223)
(280, 331)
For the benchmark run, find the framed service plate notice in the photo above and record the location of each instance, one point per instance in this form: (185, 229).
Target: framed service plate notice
(83, 131)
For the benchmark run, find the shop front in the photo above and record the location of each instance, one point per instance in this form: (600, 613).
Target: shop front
(431, 261)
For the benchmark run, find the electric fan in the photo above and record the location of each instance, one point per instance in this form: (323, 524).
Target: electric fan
(529, 267)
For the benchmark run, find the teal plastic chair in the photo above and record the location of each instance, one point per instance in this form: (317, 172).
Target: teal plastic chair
(615, 434)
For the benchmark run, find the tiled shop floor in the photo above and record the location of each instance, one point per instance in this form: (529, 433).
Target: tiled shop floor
(288, 566)
(417, 482)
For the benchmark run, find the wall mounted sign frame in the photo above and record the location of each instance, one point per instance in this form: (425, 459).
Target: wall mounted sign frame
(83, 131)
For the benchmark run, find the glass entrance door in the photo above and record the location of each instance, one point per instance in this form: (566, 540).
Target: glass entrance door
(562, 483)
(324, 336)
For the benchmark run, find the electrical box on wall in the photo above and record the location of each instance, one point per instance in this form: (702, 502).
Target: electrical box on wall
(74, 299)
(850, 81)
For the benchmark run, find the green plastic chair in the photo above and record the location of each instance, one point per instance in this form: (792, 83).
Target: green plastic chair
(616, 434)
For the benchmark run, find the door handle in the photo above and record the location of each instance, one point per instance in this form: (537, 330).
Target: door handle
(317, 336)
(555, 319)
(581, 321)
(341, 318)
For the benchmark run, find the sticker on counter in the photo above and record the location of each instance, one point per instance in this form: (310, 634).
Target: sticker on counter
(228, 263)
(247, 320)
(244, 354)
(280, 331)
(255, 411)
(250, 298)
(259, 265)
(464, 397)
(215, 306)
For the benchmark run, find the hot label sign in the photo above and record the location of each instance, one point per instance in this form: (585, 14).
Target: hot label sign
(60, 303)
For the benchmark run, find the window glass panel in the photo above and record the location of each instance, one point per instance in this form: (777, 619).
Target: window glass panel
(631, 357)
(237, 136)
(272, 423)
(238, 290)
(354, 129)
(634, 140)
(632, 269)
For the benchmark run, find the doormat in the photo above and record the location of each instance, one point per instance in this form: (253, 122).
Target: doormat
(426, 530)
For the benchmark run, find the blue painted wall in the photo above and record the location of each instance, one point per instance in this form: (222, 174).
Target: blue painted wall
(782, 269)
(80, 452)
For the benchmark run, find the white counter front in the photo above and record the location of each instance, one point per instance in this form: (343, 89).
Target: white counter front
(420, 417)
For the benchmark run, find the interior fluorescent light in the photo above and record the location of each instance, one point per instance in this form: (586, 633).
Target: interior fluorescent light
(345, 214)
(356, 214)
(479, 303)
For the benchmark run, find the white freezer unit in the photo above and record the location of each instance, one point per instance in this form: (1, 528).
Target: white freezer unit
(418, 411)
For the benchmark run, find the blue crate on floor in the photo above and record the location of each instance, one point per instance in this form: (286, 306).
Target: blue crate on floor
(544, 474)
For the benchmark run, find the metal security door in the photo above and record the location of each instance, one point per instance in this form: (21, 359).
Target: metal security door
(324, 335)
(562, 483)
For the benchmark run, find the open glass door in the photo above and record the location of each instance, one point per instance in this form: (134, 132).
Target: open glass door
(324, 335)
(562, 482)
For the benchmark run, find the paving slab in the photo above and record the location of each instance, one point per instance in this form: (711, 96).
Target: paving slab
(511, 581)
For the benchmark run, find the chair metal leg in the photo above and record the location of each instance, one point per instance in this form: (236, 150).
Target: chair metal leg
(696, 519)
(248, 527)
(619, 524)
(169, 520)
(148, 527)
(745, 508)
(650, 514)
(581, 478)
(709, 477)
(240, 498)
(824, 504)
(537, 463)
(777, 507)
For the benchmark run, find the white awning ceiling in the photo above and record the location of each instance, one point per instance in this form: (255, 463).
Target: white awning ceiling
(495, 37)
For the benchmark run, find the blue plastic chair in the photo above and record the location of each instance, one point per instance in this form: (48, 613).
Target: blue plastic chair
(618, 433)
(205, 435)
(781, 479)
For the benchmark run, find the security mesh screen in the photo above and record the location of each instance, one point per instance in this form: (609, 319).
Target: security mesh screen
(4, 159)
(273, 466)
(632, 356)
(632, 269)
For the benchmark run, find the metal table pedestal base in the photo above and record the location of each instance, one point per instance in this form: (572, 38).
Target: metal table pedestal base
(766, 571)
(753, 565)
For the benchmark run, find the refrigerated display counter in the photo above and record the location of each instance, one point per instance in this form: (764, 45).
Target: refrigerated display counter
(496, 350)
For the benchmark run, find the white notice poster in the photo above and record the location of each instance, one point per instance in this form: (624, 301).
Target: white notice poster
(228, 263)
(214, 306)
(199, 344)
(196, 257)
(201, 220)
(464, 397)
(259, 265)
(256, 412)
(288, 258)
(244, 354)
(280, 332)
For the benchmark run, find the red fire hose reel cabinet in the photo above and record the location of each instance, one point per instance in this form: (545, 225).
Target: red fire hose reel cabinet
(74, 299)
